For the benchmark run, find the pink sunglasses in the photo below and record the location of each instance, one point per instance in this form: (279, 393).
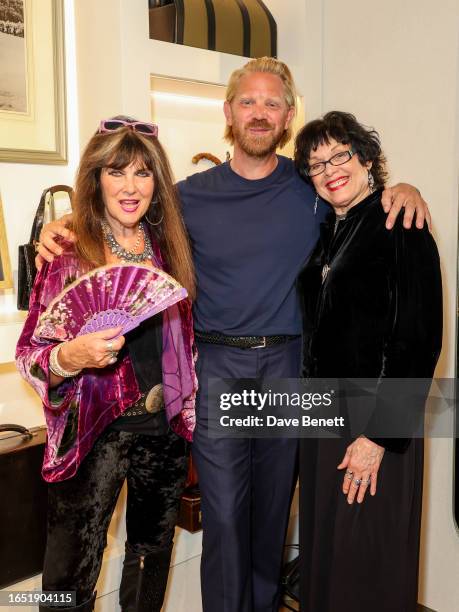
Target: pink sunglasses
(111, 125)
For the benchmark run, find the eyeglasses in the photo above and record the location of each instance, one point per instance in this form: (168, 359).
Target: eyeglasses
(337, 160)
(111, 125)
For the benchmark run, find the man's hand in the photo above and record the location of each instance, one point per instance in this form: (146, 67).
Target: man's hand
(47, 247)
(408, 197)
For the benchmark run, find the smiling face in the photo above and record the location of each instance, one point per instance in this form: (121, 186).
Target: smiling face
(342, 186)
(127, 194)
(258, 114)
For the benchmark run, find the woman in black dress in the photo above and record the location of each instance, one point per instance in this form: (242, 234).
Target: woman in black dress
(373, 309)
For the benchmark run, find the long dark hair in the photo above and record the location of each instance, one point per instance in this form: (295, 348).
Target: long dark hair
(118, 149)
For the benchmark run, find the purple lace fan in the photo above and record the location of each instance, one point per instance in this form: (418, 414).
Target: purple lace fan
(110, 296)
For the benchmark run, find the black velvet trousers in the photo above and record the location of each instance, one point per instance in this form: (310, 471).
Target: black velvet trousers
(80, 509)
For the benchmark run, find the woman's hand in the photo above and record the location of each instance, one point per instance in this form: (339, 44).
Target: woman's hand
(362, 460)
(47, 247)
(408, 197)
(96, 350)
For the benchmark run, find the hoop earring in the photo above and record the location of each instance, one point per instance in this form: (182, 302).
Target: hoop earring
(153, 203)
(371, 182)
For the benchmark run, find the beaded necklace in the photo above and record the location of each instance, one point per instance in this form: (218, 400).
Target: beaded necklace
(127, 255)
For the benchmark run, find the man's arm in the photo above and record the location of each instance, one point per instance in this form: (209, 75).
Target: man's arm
(408, 197)
(47, 247)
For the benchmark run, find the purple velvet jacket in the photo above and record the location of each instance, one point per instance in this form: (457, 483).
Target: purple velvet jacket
(79, 409)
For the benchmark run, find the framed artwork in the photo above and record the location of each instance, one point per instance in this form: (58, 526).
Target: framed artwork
(32, 82)
(6, 279)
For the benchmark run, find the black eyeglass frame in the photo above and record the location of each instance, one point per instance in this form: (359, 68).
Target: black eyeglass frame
(349, 152)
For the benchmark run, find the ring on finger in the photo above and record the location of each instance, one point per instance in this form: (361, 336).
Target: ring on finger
(349, 472)
(357, 482)
(37, 246)
(112, 360)
(365, 483)
(349, 476)
(110, 346)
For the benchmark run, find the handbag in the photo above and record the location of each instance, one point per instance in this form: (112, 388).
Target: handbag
(24, 503)
(26, 254)
(239, 27)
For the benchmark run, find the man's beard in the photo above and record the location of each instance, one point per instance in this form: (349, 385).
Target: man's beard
(257, 146)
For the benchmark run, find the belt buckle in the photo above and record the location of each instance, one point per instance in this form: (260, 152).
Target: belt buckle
(262, 345)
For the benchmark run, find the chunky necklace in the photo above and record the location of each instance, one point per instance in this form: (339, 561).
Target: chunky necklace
(128, 255)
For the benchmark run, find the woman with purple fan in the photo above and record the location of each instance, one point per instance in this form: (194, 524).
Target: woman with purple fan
(117, 405)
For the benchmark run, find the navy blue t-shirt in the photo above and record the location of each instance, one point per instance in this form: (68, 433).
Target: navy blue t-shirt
(250, 239)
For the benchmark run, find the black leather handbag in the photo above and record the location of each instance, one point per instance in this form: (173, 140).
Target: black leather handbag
(26, 255)
(24, 503)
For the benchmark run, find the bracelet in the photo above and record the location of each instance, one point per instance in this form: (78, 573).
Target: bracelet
(56, 368)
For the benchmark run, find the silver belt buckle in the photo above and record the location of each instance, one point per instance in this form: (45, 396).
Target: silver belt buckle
(263, 345)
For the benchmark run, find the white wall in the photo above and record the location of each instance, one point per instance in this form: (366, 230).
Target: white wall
(395, 66)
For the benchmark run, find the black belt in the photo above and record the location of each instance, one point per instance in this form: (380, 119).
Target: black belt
(245, 342)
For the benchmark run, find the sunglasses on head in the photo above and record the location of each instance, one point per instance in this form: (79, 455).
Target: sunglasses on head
(111, 125)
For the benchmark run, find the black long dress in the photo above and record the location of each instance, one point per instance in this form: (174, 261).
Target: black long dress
(377, 313)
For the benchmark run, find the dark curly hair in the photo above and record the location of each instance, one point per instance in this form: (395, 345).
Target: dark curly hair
(344, 128)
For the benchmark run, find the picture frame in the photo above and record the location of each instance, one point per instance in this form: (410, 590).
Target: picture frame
(35, 132)
(6, 278)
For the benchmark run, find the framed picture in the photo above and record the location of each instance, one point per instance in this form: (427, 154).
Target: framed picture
(6, 279)
(32, 82)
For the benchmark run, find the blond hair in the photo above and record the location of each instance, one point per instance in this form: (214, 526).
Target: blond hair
(118, 149)
(269, 65)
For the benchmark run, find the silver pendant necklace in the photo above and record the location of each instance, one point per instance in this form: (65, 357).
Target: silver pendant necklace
(326, 268)
(127, 255)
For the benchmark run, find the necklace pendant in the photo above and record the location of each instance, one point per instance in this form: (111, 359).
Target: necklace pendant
(325, 271)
